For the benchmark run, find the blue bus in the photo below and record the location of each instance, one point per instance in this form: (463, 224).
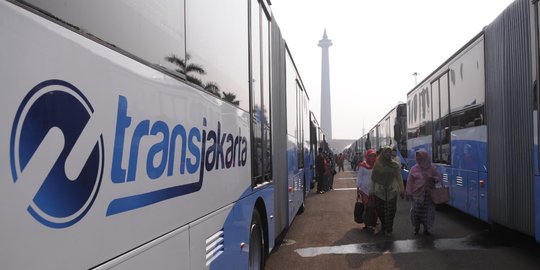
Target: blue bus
(477, 115)
(148, 134)
(390, 131)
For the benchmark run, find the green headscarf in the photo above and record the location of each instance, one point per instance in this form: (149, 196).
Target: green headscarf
(385, 169)
(386, 177)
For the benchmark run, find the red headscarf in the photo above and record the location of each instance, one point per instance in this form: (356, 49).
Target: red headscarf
(367, 163)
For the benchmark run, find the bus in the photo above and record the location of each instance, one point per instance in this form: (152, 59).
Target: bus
(390, 131)
(477, 116)
(148, 134)
(315, 141)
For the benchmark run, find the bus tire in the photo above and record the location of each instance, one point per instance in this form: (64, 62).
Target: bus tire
(256, 242)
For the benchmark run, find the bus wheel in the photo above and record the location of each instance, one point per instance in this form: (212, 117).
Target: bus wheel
(256, 242)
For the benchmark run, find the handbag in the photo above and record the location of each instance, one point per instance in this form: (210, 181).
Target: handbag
(358, 211)
(440, 194)
(370, 214)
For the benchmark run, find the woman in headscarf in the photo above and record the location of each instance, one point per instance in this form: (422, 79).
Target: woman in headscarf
(421, 180)
(363, 182)
(386, 184)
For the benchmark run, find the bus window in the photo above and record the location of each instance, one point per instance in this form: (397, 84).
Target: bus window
(217, 42)
(149, 30)
(260, 96)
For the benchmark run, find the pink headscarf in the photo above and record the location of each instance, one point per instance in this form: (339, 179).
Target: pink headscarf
(422, 159)
(421, 172)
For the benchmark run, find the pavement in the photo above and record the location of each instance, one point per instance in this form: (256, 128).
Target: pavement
(325, 236)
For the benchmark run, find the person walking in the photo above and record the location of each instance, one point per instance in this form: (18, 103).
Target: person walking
(355, 162)
(421, 180)
(340, 161)
(331, 171)
(395, 156)
(320, 169)
(363, 182)
(386, 184)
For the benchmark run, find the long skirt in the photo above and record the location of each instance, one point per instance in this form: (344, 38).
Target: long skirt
(386, 210)
(423, 210)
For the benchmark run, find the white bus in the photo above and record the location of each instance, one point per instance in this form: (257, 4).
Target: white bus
(147, 134)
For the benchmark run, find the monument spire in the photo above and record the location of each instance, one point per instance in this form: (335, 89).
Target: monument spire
(326, 108)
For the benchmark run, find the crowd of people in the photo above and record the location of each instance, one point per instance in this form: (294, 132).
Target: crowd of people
(325, 171)
(325, 165)
(380, 183)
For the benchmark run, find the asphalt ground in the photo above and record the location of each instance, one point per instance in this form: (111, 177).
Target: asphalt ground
(325, 236)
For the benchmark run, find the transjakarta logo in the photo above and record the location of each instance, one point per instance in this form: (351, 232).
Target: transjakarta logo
(61, 201)
(208, 150)
(63, 198)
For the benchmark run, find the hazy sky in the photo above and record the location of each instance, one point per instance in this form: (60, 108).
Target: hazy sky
(377, 46)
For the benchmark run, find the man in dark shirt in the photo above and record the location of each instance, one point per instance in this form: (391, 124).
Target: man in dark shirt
(320, 170)
(340, 160)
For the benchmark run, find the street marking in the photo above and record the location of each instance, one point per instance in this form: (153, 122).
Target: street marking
(288, 242)
(394, 247)
(345, 188)
(347, 178)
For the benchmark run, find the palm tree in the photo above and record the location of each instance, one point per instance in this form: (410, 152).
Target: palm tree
(187, 68)
(213, 89)
(231, 97)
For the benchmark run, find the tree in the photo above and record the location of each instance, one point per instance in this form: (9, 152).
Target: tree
(191, 69)
(213, 89)
(187, 68)
(231, 97)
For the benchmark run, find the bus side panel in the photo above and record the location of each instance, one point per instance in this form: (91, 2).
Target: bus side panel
(236, 232)
(536, 178)
(419, 143)
(459, 189)
(131, 209)
(469, 160)
(217, 241)
(221, 244)
(168, 252)
(294, 179)
(537, 207)
(473, 200)
(509, 117)
(483, 197)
